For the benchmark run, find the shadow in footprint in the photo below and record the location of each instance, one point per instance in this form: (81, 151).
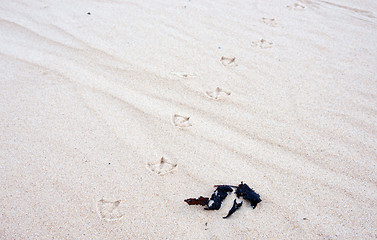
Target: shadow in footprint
(228, 62)
(262, 44)
(162, 167)
(108, 210)
(218, 93)
(181, 121)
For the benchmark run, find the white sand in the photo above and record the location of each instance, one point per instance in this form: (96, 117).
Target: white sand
(90, 103)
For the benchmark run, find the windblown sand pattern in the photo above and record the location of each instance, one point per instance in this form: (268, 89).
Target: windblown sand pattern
(281, 95)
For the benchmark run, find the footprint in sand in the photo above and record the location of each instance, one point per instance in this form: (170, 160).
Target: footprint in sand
(270, 21)
(162, 167)
(262, 44)
(296, 6)
(217, 93)
(108, 210)
(181, 121)
(228, 62)
(183, 74)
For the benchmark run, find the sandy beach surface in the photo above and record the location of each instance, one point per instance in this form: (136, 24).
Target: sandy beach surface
(113, 112)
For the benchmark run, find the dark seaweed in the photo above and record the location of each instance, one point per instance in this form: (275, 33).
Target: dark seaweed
(235, 207)
(197, 201)
(243, 190)
(221, 192)
(218, 196)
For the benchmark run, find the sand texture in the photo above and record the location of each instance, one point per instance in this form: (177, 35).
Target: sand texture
(112, 112)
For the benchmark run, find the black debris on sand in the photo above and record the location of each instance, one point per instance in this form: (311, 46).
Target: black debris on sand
(221, 192)
(235, 207)
(243, 190)
(217, 197)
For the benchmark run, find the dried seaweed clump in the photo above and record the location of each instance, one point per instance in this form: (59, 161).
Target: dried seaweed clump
(234, 208)
(217, 197)
(197, 201)
(243, 190)
(221, 192)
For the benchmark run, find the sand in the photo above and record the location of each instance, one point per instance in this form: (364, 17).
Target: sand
(114, 112)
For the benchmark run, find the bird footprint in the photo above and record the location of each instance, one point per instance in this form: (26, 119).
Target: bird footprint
(181, 121)
(162, 167)
(184, 74)
(217, 93)
(296, 6)
(269, 21)
(262, 44)
(231, 62)
(109, 210)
